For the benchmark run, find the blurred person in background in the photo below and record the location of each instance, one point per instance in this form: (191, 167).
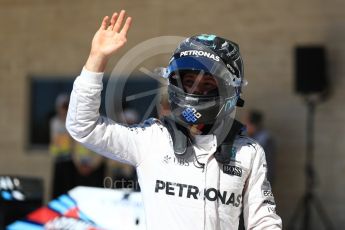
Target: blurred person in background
(61, 145)
(254, 121)
(60, 140)
(73, 163)
(196, 169)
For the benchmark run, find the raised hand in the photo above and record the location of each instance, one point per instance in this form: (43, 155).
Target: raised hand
(110, 37)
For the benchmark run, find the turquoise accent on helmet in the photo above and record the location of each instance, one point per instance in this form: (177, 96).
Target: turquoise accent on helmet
(207, 37)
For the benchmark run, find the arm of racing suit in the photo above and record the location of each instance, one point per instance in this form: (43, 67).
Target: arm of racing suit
(101, 134)
(259, 206)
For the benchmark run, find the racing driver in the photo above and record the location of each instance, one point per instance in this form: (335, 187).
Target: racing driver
(195, 167)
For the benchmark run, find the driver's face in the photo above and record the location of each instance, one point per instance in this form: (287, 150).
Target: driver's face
(200, 84)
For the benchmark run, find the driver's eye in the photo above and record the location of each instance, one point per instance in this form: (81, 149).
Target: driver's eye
(188, 82)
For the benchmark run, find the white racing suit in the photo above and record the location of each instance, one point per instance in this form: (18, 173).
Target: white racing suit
(177, 193)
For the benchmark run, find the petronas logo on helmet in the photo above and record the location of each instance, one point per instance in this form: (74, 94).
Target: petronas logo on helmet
(199, 53)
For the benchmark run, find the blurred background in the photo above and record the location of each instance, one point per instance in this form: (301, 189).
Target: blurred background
(44, 45)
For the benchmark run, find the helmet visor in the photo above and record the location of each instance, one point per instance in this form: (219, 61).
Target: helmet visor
(206, 65)
(195, 82)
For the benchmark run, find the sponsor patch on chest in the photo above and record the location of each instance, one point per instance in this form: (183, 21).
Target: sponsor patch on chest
(232, 170)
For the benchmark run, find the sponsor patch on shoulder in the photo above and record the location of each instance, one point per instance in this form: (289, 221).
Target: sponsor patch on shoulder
(232, 170)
